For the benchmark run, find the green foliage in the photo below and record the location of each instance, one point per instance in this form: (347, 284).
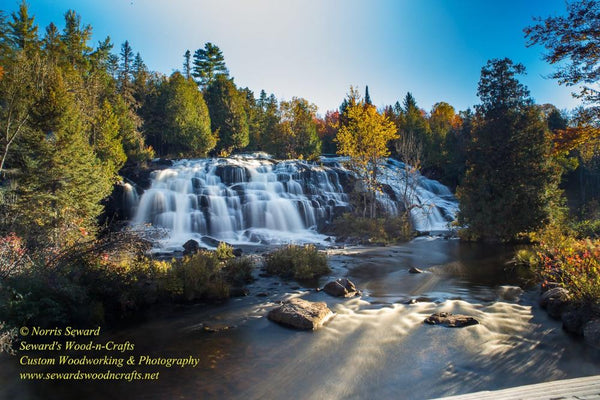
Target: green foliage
(208, 64)
(296, 133)
(227, 115)
(298, 262)
(511, 183)
(362, 230)
(238, 271)
(185, 127)
(224, 251)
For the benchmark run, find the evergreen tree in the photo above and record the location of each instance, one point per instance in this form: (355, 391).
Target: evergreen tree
(511, 178)
(367, 96)
(187, 66)
(75, 39)
(227, 115)
(208, 64)
(185, 128)
(22, 32)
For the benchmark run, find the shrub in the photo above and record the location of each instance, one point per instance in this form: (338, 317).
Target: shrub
(238, 271)
(372, 230)
(224, 251)
(201, 276)
(573, 263)
(298, 262)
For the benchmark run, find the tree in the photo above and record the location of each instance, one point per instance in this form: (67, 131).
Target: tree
(227, 115)
(573, 43)
(23, 82)
(22, 33)
(367, 96)
(297, 131)
(511, 179)
(413, 129)
(327, 129)
(75, 39)
(187, 67)
(364, 138)
(208, 64)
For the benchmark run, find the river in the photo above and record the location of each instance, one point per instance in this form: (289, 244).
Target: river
(376, 346)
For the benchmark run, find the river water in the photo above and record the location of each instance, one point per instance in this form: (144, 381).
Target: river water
(376, 346)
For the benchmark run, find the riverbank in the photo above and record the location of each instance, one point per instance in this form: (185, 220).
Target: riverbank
(376, 345)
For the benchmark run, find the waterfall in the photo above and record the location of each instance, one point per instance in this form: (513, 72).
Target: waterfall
(254, 199)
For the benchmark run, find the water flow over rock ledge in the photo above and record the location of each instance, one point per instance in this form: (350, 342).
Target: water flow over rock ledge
(252, 199)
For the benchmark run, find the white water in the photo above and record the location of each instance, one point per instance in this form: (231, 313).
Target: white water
(253, 199)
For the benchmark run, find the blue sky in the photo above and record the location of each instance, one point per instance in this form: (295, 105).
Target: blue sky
(316, 49)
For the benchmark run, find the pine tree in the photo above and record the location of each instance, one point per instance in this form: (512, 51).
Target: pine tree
(22, 33)
(187, 67)
(208, 64)
(511, 177)
(75, 38)
(367, 96)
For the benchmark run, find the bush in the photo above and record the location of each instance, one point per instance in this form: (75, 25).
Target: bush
(238, 271)
(372, 230)
(201, 276)
(587, 228)
(224, 251)
(298, 262)
(573, 263)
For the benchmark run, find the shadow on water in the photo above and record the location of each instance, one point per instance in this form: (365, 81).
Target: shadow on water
(376, 346)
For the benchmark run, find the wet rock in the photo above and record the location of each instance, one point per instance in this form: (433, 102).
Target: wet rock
(509, 293)
(238, 252)
(341, 288)
(212, 242)
(238, 292)
(217, 328)
(301, 314)
(415, 270)
(450, 320)
(548, 285)
(262, 294)
(591, 333)
(190, 247)
(421, 299)
(555, 301)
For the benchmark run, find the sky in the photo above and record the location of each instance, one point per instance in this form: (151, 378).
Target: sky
(316, 49)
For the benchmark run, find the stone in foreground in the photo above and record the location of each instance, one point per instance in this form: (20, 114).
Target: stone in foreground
(450, 320)
(341, 288)
(301, 314)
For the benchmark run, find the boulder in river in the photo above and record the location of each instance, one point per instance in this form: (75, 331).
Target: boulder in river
(190, 247)
(415, 270)
(301, 314)
(341, 288)
(555, 301)
(450, 320)
(591, 333)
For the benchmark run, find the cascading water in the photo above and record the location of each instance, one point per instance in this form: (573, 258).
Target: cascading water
(253, 199)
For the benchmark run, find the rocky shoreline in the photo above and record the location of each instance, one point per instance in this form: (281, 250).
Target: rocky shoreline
(581, 320)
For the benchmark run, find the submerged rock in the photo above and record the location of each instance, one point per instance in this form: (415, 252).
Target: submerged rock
(415, 270)
(509, 293)
(341, 288)
(301, 314)
(451, 320)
